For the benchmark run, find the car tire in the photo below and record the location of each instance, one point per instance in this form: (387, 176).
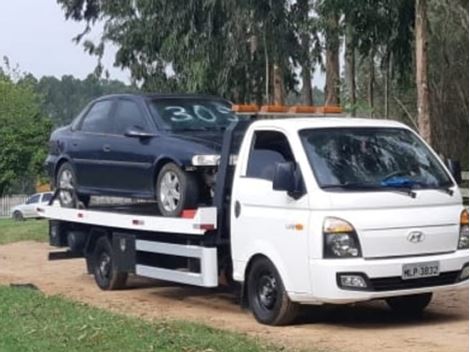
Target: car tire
(106, 275)
(267, 297)
(66, 178)
(176, 190)
(412, 305)
(18, 216)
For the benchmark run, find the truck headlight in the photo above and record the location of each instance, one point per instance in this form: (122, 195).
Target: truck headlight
(463, 234)
(340, 239)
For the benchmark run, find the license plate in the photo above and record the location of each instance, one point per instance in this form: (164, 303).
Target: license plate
(419, 270)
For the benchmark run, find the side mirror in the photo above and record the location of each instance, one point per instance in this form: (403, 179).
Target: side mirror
(455, 169)
(134, 132)
(287, 178)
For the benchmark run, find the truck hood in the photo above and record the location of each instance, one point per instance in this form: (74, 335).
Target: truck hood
(385, 221)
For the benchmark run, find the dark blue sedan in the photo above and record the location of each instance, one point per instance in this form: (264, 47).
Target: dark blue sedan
(162, 147)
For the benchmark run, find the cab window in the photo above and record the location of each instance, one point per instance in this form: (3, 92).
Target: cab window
(268, 148)
(127, 116)
(97, 119)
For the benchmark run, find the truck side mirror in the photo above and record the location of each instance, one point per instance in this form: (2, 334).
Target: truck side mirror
(455, 169)
(287, 178)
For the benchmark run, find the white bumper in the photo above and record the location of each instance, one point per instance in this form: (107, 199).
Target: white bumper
(326, 290)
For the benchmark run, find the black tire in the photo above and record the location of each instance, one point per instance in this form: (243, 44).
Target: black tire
(412, 305)
(106, 275)
(69, 199)
(18, 216)
(267, 296)
(186, 187)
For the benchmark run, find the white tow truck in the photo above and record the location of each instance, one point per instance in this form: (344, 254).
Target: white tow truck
(316, 210)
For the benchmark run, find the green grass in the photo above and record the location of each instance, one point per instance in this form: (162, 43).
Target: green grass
(14, 231)
(30, 321)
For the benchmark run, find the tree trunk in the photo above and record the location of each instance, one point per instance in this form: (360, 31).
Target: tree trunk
(424, 116)
(370, 88)
(306, 93)
(278, 85)
(332, 62)
(350, 59)
(386, 74)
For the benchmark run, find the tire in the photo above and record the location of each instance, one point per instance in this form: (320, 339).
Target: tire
(267, 297)
(66, 178)
(106, 275)
(18, 216)
(412, 305)
(176, 190)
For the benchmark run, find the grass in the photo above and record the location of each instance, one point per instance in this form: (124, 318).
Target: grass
(30, 321)
(14, 231)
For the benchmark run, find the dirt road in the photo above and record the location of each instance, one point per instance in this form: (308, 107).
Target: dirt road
(363, 327)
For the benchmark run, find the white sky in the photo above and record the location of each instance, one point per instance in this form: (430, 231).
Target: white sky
(35, 35)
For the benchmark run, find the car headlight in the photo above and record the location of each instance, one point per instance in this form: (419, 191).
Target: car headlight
(340, 239)
(206, 160)
(463, 234)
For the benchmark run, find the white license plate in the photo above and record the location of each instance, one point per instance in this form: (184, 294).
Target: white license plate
(419, 270)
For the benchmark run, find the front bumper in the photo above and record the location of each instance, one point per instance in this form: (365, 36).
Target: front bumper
(380, 272)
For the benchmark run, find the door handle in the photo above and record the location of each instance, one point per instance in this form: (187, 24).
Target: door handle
(106, 148)
(238, 209)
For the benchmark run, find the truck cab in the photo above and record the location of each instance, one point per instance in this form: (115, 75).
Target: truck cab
(341, 210)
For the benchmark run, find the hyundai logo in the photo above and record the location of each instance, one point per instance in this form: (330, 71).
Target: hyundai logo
(416, 237)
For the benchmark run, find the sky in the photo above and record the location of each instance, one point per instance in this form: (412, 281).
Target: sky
(35, 36)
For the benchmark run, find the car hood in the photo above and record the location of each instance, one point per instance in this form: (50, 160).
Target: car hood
(209, 139)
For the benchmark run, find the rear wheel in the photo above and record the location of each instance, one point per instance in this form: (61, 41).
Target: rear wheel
(66, 181)
(267, 296)
(176, 190)
(410, 305)
(106, 275)
(18, 216)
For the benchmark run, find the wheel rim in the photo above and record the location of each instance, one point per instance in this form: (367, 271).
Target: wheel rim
(266, 291)
(170, 193)
(104, 266)
(17, 215)
(66, 183)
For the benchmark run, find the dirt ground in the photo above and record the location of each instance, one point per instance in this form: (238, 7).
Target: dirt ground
(361, 327)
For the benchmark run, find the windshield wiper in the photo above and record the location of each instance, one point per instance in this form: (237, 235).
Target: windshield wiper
(372, 187)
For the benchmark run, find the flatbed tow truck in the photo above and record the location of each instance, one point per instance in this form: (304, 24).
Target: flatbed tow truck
(276, 229)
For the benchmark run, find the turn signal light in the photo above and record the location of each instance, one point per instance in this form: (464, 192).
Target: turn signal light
(464, 217)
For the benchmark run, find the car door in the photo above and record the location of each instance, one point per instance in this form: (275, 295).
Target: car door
(269, 222)
(29, 208)
(130, 160)
(90, 146)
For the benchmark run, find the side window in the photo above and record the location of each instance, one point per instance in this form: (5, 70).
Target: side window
(97, 118)
(46, 197)
(33, 199)
(128, 115)
(269, 148)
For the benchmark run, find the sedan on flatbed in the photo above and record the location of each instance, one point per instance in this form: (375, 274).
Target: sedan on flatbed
(161, 147)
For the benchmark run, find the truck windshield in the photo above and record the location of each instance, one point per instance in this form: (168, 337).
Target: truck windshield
(372, 159)
(192, 114)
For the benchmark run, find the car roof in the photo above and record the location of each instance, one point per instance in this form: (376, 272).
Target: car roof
(156, 96)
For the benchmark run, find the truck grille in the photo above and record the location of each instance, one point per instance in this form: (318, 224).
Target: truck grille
(397, 283)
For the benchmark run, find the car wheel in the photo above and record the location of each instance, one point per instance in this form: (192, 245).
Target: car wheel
(267, 296)
(106, 275)
(18, 216)
(176, 190)
(412, 305)
(66, 180)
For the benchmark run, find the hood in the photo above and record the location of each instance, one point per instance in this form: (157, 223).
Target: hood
(209, 139)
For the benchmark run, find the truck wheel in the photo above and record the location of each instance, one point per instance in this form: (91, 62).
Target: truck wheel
(176, 190)
(412, 305)
(66, 179)
(267, 296)
(104, 270)
(18, 216)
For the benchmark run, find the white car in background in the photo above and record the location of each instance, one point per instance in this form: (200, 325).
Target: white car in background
(29, 208)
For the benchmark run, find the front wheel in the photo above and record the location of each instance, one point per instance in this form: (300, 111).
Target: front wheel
(176, 190)
(107, 276)
(66, 181)
(411, 305)
(18, 216)
(267, 296)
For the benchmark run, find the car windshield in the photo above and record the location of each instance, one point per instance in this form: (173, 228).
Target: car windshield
(192, 114)
(372, 158)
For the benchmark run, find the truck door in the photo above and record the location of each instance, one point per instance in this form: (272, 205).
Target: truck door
(265, 221)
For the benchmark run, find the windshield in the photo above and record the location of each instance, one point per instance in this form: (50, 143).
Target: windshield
(192, 114)
(374, 158)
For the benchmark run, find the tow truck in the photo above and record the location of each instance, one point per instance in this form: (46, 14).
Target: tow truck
(284, 228)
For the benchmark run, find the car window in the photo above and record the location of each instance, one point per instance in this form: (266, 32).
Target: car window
(128, 115)
(33, 199)
(46, 197)
(269, 148)
(97, 118)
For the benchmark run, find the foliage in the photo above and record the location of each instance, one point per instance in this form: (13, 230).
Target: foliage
(24, 131)
(55, 324)
(29, 230)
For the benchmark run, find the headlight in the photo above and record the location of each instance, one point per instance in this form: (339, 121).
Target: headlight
(463, 235)
(206, 160)
(340, 239)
